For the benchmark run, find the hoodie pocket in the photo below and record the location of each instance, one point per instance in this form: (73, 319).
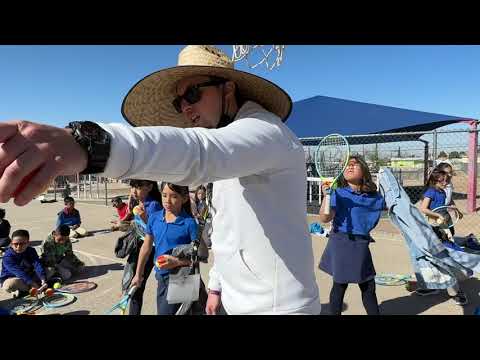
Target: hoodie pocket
(240, 269)
(242, 255)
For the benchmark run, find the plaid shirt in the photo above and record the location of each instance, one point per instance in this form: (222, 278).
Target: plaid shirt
(53, 253)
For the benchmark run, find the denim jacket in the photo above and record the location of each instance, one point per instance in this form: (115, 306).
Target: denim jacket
(434, 267)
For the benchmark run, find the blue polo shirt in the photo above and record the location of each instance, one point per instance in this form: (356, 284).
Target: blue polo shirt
(355, 212)
(167, 236)
(151, 206)
(437, 196)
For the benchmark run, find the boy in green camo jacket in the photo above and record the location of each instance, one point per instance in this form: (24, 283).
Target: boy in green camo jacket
(57, 254)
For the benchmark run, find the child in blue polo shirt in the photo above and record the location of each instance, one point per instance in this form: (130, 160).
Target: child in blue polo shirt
(168, 228)
(356, 206)
(69, 216)
(433, 197)
(436, 196)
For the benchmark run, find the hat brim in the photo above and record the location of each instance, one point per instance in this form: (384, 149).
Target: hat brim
(149, 102)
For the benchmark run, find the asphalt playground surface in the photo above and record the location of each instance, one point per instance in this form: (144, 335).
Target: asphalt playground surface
(102, 267)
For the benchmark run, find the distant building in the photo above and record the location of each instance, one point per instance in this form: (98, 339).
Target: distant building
(407, 163)
(462, 164)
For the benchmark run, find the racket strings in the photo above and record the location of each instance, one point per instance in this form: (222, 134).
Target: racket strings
(450, 214)
(331, 156)
(331, 166)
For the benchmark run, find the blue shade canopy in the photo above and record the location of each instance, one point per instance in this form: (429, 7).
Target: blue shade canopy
(322, 115)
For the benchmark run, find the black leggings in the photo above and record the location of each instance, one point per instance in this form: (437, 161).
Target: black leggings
(135, 307)
(369, 297)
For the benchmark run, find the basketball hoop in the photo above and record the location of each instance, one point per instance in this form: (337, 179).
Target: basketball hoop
(259, 54)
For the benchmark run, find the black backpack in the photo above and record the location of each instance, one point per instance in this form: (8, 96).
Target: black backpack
(127, 243)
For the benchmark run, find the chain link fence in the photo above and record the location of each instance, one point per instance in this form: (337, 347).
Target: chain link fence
(411, 157)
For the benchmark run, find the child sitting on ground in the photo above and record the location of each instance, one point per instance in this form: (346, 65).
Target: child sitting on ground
(71, 217)
(4, 232)
(21, 266)
(57, 254)
(125, 215)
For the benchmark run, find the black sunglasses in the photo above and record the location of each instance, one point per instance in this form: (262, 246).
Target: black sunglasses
(193, 94)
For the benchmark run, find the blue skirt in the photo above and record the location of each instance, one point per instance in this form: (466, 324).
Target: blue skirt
(347, 258)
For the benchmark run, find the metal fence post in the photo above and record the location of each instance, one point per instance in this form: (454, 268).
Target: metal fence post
(90, 195)
(425, 161)
(106, 195)
(310, 190)
(472, 168)
(98, 190)
(78, 186)
(84, 186)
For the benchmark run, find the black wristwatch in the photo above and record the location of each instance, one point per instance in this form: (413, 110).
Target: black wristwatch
(96, 143)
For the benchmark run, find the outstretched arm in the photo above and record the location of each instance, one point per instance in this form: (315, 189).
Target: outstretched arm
(247, 146)
(196, 156)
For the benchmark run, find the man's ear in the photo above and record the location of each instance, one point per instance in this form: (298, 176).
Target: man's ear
(230, 87)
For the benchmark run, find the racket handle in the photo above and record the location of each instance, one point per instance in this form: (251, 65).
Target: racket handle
(42, 288)
(132, 290)
(326, 209)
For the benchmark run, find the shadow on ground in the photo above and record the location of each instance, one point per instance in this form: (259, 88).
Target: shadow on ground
(98, 232)
(97, 270)
(413, 304)
(78, 312)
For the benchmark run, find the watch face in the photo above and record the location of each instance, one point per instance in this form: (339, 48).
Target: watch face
(88, 130)
(93, 132)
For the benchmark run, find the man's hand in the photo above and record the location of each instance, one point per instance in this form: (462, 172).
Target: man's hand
(27, 147)
(213, 304)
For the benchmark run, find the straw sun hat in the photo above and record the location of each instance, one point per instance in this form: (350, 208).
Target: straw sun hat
(149, 102)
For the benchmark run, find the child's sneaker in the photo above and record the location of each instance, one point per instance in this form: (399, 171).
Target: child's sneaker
(427, 292)
(460, 299)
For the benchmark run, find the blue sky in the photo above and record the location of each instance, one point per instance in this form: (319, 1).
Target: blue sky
(58, 84)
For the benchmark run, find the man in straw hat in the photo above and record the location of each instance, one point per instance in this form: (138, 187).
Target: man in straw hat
(199, 122)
